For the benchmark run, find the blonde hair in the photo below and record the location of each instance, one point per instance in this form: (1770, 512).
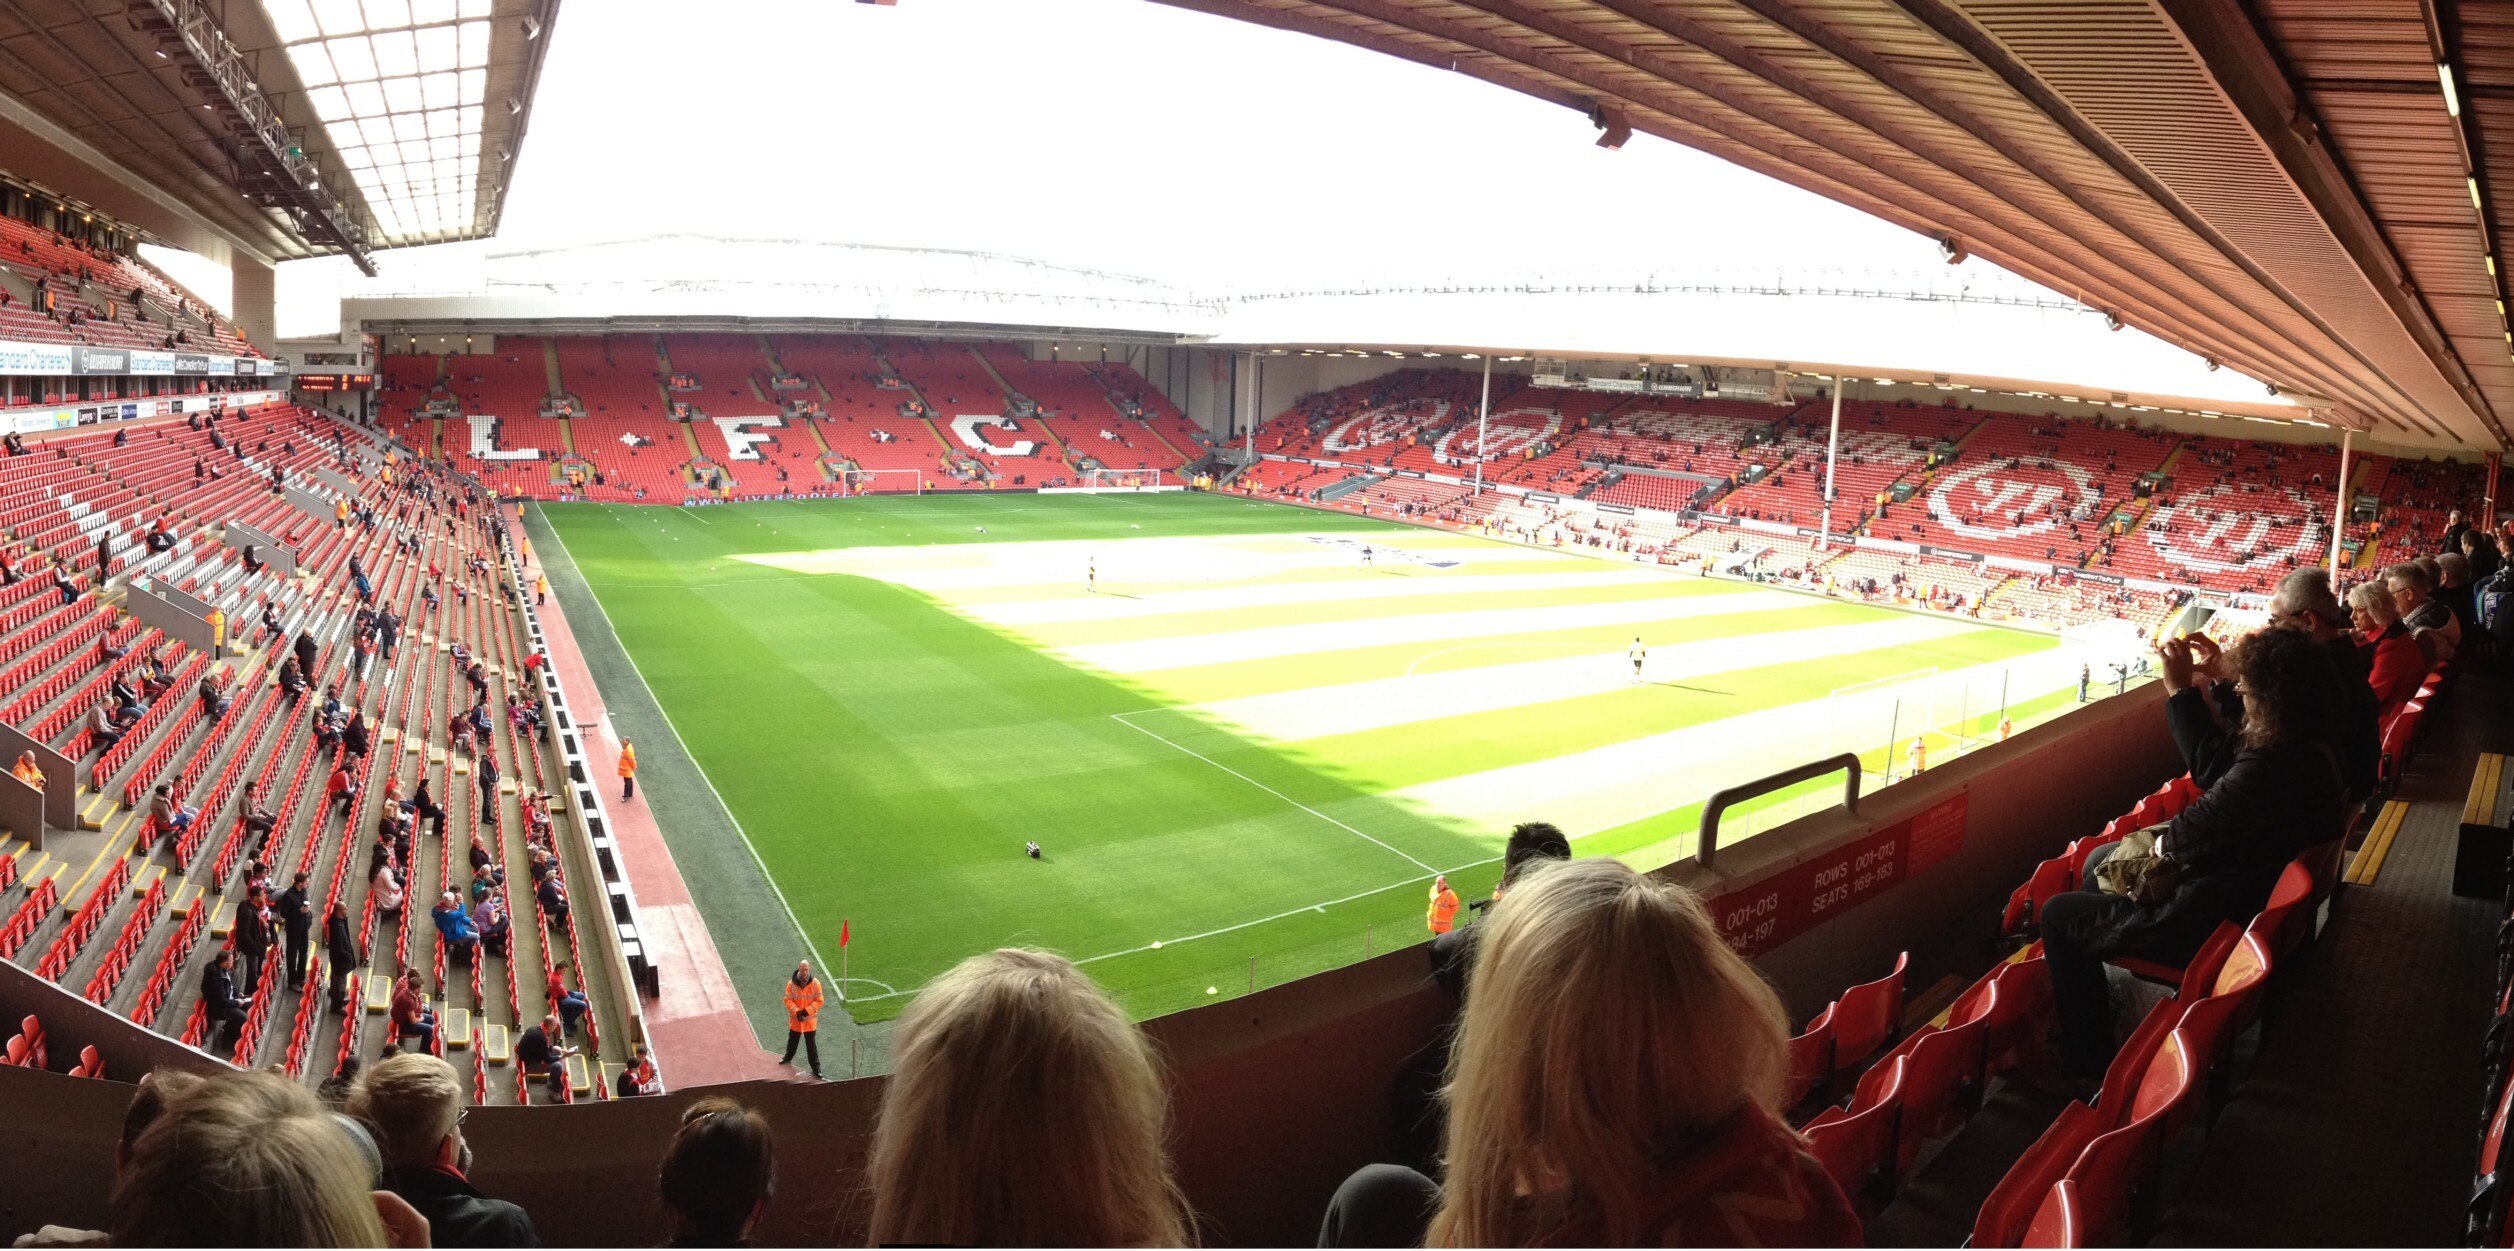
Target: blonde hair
(1609, 1025)
(2376, 599)
(411, 1101)
(1023, 1109)
(246, 1160)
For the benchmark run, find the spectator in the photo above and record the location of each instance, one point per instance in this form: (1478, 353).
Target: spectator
(414, 1105)
(571, 1005)
(552, 896)
(1529, 843)
(341, 948)
(1023, 1109)
(541, 1054)
(386, 888)
(718, 1175)
(254, 1160)
(252, 932)
(27, 771)
(292, 682)
(213, 700)
(1576, 1137)
(803, 1015)
(489, 920)
(220, 1005)
(169, 815)
(411, 1015)
(296, 921)
(2433, 625)
(641, 1077)
(453, 925)
(2453, 589)
(2219, 860)
(341, 790)
(2395, 664)
(104, 729)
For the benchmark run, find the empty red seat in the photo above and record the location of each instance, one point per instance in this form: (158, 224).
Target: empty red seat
(1810, 1059)
(1857, 1145)
(2057, 1222)
(1867, 1017)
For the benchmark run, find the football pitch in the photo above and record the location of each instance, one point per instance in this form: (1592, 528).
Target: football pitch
(1245, 751)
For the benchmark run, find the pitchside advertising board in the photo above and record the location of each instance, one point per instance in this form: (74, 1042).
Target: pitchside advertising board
(1758, 916)
(80, 361)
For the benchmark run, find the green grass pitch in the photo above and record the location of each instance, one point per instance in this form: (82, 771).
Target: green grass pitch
(1244, 753)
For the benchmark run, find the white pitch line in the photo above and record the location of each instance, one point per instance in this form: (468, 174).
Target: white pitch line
(1120, 718)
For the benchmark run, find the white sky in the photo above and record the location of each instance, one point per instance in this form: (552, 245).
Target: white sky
(1129, 136)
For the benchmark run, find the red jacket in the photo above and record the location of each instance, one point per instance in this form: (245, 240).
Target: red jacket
(1750, 1185)
(2395, 668)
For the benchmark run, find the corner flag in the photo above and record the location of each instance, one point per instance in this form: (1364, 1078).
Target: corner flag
(842, 933)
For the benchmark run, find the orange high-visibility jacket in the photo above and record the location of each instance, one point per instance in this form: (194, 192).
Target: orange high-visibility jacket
(803, 1006)
(628, 761)
(1444, 909)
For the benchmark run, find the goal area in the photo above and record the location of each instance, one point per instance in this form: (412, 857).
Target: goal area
(1124, 480)
(882, 481)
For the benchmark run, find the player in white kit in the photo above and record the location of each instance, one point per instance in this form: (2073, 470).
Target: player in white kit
(1638, 653)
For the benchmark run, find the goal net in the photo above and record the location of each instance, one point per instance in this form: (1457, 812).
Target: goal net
(882, 481)
(1122, 480)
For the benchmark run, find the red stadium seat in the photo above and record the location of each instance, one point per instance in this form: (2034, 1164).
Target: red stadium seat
(1857, 1145)
(1867, 1017)
(2057, 1222)
(2120, 1165)
(1810, 1059)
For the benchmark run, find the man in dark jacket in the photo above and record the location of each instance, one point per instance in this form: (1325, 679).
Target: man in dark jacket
(341, 948)
(296, 920)
(219, 1005)
(414, 1103)
(253, 938)
(306, 651)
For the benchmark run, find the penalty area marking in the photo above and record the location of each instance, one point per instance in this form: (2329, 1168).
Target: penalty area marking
(1121, 719)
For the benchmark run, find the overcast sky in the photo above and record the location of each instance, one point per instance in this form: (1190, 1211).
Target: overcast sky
(1123, 135)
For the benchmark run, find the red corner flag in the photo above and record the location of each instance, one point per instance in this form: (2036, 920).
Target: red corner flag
(842, 933)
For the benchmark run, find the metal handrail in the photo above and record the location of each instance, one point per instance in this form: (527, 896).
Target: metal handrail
(1709, 841)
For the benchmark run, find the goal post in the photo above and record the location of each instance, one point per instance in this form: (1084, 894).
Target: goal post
(1122, 480)
(882, 481)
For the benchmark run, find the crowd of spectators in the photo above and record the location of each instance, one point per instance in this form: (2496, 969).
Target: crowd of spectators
(1025, 1108)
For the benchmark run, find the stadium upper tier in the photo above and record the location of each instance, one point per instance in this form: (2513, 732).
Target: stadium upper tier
(663, 418)
(56, 291)
(130, 912)
(2039, 504)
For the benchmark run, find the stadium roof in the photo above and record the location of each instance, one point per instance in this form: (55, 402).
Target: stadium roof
(2295, 187)
(289, 128)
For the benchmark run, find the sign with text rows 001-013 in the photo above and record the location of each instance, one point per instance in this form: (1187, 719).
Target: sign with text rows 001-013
(1759, 916)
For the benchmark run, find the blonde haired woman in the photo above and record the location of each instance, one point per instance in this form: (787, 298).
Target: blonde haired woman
(2394, 664)
(253, 1160)
(1023, 1109)
(1617, 1082)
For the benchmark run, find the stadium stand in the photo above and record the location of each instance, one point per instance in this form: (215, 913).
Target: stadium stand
(135, 930)
(56, 290)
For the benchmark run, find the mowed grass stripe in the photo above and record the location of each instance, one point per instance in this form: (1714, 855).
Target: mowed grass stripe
(1266, 615)
(1196, 684)
(1387, 759)
(1292, 579)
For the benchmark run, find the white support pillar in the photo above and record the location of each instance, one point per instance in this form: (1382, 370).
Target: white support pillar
(1832, 450)
(1255, 392)
(2339, 515)
(1483, 411)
